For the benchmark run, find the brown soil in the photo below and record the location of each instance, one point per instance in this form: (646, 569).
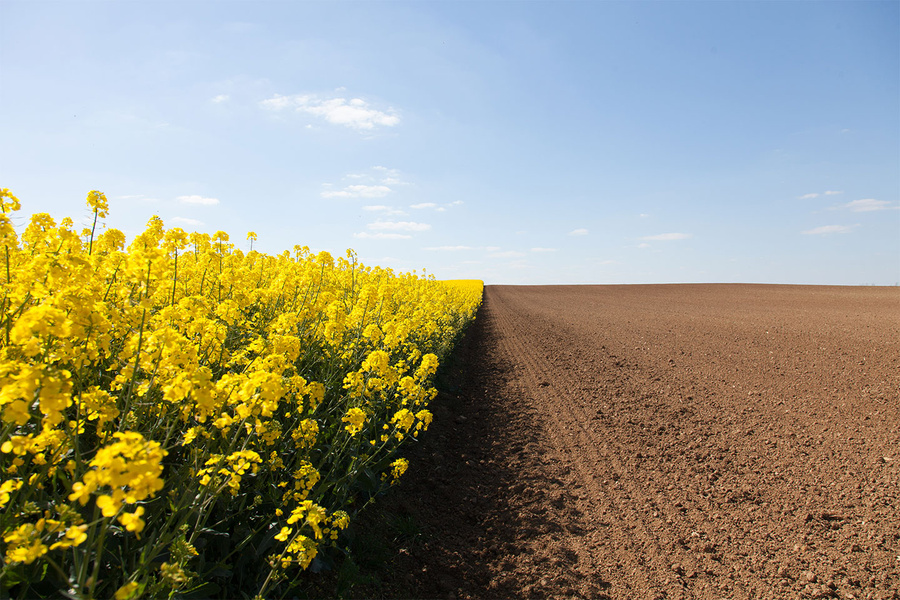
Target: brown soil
(667, 441)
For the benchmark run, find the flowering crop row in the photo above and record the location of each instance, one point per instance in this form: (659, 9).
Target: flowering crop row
(183, 418)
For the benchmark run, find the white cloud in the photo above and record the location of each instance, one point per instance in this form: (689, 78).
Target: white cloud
(578, 232)
(355, 113)
(867, 205)
(644, 215)
(543, 249)
(449, 248)
(827, 229)
(389, 176)
(376, 182)
(278, 102)
(387, 210)
(358, 191)
(507, 254)
(643, 245)
(381, 236)
(220, 98)
(666, 237)
(398, 226)
(434, 206)
(186, 221)
(198, 200)
(812, 195)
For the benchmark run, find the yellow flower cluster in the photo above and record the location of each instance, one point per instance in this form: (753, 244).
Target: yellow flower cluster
(138, 385)
(130, 467)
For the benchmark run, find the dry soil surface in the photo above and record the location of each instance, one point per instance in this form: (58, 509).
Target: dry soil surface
(666, 441)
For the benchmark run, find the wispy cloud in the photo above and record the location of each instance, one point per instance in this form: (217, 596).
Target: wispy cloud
(198, 200)
(387, 210)
(543, 249)
(581, 231)
(507, 254)
(376, 182)
(812, 195)
(867, 205)
(398, 226)
(381, 236)
(434, 206)
(666, 237)
(828, 229)
(186, 221)
(220, 98)
(389, 176)
(358, 191)
(449, 248)
(355, 113)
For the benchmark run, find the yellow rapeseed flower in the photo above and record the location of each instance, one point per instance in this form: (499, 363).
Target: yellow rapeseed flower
(355, 419)
(114, 352)
(132, 521)
(98, 203)
(127, 591)
(75, 535)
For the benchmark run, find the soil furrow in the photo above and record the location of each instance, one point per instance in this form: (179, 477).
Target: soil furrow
(693, 441)
(577, 444)
(600, 457)
(641, 506)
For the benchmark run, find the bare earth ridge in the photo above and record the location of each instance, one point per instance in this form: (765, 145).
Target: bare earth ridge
(664, 441)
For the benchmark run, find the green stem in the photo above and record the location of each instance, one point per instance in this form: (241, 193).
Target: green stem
(175, 277)
(8, 281)
(86, 555)
(137, 366)
(93, 227)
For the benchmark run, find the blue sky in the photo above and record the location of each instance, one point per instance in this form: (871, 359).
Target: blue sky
(514, 142)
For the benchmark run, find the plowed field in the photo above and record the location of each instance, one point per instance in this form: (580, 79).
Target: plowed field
(669, 441)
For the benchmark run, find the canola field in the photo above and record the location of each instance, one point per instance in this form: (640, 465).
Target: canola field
(181, 418)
